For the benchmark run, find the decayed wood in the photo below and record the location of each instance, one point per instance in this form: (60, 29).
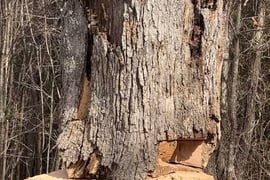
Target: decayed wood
(155, 76)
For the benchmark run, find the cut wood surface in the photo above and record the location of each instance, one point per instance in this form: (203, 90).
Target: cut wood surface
(182, 152)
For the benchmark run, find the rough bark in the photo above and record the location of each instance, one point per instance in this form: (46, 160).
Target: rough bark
(232, 100)
(217, 165)
(74, 53)
(74, 56)
(155, 76)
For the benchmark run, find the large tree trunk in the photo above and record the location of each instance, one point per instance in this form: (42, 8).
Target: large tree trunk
(154, 69)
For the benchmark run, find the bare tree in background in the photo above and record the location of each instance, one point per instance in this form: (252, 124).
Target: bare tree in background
(29, 87)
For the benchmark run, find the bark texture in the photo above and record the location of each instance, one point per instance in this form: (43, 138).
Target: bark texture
(155, 76)
(74, 52)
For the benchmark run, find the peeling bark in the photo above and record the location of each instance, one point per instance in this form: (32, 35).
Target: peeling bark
(155, 76)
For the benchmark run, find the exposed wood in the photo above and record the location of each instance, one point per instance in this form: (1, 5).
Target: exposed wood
(82, 110)
(182, 152)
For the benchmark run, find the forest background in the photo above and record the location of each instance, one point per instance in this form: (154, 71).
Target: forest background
(30, 90)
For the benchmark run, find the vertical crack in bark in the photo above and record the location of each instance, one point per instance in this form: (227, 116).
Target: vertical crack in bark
(121, 64)
(71, 147)
(196, 39)
(197, 32)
